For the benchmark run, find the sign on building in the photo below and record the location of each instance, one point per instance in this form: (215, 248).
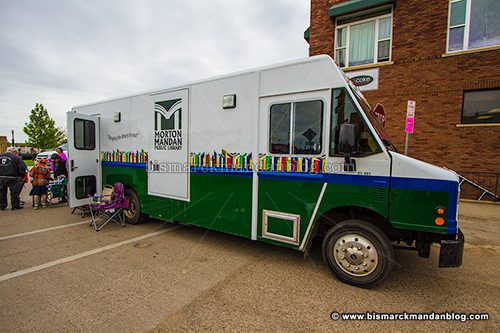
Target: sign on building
(365, 79)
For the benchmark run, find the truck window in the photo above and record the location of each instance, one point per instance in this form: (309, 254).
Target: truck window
(344, 111)
(279, 138)
(84, 134)
(308, 126)
(305, 136)
(85, 186)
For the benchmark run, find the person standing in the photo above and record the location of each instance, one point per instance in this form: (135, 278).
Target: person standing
(60, 171)
(41, 175)
(59, 165)
(33, 153)
(25, 178)
(11, 174)
(61, 153)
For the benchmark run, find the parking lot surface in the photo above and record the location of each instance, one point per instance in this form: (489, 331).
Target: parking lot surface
(58, 274)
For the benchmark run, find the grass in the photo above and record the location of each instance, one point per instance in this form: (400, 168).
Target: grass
(29, 162)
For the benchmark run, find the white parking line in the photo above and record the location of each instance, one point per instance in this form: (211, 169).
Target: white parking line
(83, 254)
(43, 230)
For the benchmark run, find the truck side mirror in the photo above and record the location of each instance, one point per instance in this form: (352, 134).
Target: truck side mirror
(348, 139)
(348, 144)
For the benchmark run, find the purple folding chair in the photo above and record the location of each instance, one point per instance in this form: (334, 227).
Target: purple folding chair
(109, 207)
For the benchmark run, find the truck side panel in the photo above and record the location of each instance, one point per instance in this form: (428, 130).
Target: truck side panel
(218, 201)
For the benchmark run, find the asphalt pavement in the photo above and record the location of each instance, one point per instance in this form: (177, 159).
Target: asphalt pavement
(58, 275)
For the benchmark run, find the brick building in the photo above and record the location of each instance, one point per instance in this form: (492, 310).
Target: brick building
(444, 54)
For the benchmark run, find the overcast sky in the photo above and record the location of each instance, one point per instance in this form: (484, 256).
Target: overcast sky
(65, 53)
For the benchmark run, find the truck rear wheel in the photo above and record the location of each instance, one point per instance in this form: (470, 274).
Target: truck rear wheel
(133, 214)
(358, 253)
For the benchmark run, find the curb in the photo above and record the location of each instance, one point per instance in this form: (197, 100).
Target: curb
(480, 202)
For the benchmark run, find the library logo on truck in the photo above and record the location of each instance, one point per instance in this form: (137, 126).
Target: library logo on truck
(168, 125)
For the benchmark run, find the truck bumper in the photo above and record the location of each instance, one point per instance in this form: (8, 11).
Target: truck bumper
(452, 251)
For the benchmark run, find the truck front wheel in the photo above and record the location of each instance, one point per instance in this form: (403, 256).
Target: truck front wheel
(133, 214)
(358, 253)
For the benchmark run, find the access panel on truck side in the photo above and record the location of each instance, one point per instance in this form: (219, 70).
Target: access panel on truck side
(168, 165)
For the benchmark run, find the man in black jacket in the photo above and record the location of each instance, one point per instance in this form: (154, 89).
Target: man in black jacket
(11, 173)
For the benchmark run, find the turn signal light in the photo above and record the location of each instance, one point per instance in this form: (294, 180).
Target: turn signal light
(439, 221)
(440, 211)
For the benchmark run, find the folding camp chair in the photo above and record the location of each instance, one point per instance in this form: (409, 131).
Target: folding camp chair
(110, 207)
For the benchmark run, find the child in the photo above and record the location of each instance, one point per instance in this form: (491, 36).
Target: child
(59, 165)
(41, 176)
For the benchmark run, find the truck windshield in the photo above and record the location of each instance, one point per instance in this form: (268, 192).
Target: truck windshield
(372, 118)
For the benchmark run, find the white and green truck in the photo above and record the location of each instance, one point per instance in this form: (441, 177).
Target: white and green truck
(278, 154)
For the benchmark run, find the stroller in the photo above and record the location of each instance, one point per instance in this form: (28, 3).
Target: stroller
(110, 207)
(57, 190)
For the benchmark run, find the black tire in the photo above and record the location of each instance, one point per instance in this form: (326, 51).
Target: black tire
(358, 253)
(133, 215)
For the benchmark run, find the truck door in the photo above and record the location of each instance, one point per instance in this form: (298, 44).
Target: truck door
(293, 131)
(84, 161)
(363, 179)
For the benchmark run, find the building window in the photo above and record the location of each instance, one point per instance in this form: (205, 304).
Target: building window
(473, 24)
(365, 41)
(481, 106)
(296, 128)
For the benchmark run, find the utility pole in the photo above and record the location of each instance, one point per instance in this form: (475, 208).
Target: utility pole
(13, 142)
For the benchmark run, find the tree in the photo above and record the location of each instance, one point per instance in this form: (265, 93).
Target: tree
(42, 131)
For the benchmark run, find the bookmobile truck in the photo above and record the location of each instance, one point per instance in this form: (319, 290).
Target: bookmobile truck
(278, 154)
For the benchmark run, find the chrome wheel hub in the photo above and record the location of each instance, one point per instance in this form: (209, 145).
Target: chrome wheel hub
(355, 255)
